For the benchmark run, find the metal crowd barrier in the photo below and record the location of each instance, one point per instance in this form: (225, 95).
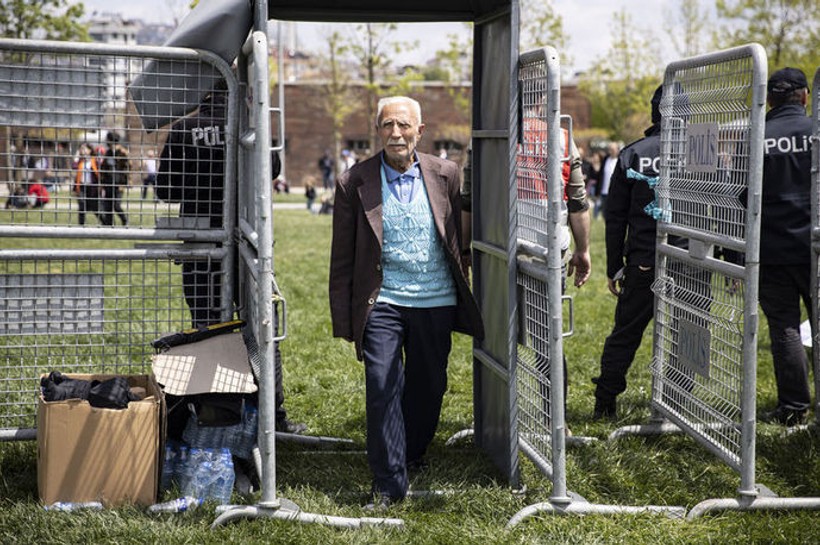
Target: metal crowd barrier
(90, 297)
(706, 296)
(542, 230)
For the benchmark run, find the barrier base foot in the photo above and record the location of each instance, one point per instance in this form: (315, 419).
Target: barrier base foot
(652, 428)
(586, 508)
(289, 511)
(754, 504)
(463, 434)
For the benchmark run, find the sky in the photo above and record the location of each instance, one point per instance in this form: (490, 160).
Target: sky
(585, 21)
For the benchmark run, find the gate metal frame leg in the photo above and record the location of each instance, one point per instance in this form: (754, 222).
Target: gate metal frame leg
(574, 504)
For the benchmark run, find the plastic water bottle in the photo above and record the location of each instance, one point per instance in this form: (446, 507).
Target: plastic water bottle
(205, 476)
(169, 465)
(74, 506)
(178, 505)
(250, 427)
(221, 487)
(181, 468)
(187, 473)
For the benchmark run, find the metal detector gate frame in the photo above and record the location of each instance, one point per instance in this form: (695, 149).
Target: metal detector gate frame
(495, 57)
(495, 112)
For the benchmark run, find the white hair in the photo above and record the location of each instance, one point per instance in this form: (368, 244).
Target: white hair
(415, 107)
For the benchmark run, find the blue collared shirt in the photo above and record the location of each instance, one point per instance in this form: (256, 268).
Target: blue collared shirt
(403, 185)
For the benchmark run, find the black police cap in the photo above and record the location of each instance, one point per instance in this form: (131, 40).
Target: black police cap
(786, 80)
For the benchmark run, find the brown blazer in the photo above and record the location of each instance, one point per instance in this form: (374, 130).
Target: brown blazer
(356, 251)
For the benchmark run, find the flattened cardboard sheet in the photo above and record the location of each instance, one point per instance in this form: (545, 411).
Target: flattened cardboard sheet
(215, 365)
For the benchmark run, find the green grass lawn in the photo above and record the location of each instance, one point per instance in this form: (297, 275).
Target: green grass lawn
(325, 388)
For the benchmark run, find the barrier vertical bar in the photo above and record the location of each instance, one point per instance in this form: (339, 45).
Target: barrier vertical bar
(815, 241)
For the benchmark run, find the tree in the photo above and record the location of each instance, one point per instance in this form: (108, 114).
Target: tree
(454, 66)
(542, 26)
(43, 19)
(620, 84)
(178, 9)
(687, 27)
(788, 29)
(338, 102)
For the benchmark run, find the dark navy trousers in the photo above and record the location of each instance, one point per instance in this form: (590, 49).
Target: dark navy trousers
(633, 312)
(405, 357)
(782, 287)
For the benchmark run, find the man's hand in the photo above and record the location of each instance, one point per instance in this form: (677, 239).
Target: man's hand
(615, 286)
(580, 264)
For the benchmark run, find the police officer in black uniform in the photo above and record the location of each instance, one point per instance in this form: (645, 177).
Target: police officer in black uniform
(630, 253)
(191, 172)
(785, 246)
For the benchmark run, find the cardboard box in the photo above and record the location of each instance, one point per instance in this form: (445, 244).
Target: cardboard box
(109, 455)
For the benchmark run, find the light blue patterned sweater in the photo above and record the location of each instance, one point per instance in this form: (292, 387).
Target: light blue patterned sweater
(414, 267)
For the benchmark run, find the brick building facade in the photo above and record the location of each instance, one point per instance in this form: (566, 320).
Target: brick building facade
(308, 126)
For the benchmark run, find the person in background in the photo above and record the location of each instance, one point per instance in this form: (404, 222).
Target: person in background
(18, 199)
(114, 178)
(326, 204)
(605, 175)
(87, 184)
(38, 195)
(50, 181)
(785, 240)
(325, 165)
(310, 192)
(348, 159)
(191, 172)
(590, 172)
(630, 259)
(398, 289)
(149, 168)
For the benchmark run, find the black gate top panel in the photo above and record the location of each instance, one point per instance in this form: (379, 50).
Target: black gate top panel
(377, 10)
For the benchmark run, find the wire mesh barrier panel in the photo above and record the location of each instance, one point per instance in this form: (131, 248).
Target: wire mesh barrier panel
(542, 236)
(540, 232)
(706, 284)
(83, 315)
(533, 384)
(74, 151)
(697, 367)
(115, 231)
